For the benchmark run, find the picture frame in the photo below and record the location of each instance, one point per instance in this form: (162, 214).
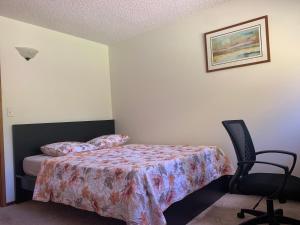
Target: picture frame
(242, 44)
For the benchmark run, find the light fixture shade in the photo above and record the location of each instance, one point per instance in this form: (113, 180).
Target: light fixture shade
(27, 53)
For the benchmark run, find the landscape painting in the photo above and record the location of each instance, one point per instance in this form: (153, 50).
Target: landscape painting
(241, 44)
(236, 46)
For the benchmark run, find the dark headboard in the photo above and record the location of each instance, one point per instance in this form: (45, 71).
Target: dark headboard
(28, 138)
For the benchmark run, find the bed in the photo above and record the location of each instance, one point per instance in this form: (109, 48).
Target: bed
(133, 183)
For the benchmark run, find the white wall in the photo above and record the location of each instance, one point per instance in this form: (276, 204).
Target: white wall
(67, 81)
(162, 94)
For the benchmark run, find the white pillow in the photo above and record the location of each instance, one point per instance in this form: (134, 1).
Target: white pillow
(64, 148)
(108, 141)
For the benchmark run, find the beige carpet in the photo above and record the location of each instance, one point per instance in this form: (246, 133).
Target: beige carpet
(223, 212)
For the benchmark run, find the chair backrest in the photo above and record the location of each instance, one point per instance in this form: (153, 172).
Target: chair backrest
(242, 143)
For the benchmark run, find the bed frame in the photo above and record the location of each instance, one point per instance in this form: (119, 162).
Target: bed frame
(27, 139)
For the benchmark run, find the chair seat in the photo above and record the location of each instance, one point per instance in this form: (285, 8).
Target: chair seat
(265, 184)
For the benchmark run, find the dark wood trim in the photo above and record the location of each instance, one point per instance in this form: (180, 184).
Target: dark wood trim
(2, 168)
(237, 24)
(234, 25)
(267, 37)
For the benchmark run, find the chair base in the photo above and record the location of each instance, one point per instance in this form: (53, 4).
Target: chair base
(271, 217)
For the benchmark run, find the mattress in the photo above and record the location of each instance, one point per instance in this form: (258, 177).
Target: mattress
(134, 183)
(32, 164)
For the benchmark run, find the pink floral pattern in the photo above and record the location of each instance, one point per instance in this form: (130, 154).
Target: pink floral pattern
(108, 141)
(134, 183)
(64, 148)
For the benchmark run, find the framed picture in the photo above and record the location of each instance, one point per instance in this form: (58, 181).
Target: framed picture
(241, 44)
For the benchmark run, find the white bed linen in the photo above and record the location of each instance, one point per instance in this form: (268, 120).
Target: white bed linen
(32, 164)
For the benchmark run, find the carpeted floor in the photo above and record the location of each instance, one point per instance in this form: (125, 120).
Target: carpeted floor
(223, 212)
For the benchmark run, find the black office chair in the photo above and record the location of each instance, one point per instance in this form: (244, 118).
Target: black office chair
(270, 185)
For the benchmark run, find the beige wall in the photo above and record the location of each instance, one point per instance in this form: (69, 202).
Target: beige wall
(162, 94)
(67, 81)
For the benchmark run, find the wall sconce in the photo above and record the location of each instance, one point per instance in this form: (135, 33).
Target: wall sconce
(27, 53)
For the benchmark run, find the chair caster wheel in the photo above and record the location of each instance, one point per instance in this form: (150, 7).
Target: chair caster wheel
(240, 215)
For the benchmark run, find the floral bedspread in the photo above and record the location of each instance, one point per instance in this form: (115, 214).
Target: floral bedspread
(134, 183)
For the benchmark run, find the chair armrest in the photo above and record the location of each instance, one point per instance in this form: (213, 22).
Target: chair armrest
(294, 155)
(285, 168)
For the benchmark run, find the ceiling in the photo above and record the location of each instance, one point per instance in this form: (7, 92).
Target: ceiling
(104, 21)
